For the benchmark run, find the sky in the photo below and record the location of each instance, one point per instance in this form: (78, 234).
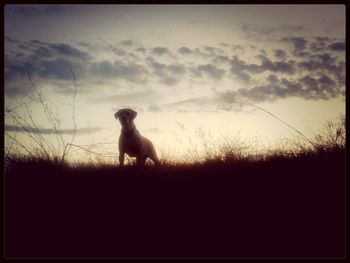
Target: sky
(188, 70)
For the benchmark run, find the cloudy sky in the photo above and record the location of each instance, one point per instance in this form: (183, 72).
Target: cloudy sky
(183, 68)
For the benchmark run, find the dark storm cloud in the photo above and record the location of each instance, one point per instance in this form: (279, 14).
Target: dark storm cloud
(13, 128)
(160, 51)
(338, 46)
(184, 50)
(211, 70)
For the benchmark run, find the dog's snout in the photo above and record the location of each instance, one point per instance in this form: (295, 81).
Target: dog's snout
(124, 120)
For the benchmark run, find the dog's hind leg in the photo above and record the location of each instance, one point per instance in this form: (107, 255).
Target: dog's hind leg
(153, 156)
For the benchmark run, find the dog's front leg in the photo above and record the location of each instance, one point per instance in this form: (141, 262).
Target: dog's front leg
(121, 158)
(140, 160)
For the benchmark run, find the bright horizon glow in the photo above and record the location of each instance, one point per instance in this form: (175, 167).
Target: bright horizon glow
(176, 66)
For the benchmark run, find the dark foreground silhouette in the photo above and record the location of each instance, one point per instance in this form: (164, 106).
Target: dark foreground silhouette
(279, 208)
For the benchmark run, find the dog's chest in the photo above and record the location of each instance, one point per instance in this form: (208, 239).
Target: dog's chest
(130, 144)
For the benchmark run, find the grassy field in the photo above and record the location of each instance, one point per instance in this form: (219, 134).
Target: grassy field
(285, 205)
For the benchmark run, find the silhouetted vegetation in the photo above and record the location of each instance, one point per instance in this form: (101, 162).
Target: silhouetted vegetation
(281, 203)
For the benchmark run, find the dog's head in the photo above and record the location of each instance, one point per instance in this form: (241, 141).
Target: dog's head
(126, 118)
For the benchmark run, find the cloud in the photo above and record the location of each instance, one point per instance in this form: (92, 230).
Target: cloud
(280, 54)
(160, 51)
(200, 103)
(208, 52)
(319, 44)
(177, 68)
(24, 129)
(140, 49)
(272, 79)
(184, 50)
(42, 60)
(237, 47)
(261, 32)
(211, 70)
(170, 81)
(68, 50)
(264, 93)
(33, 10)
(292, 28)
(240, 68)
(319, 88)
(273, 76)
(326, 64)
(118, 51)
(299, 44)
(338, 46)
(154, 108)
(119, 70)
(311, 88)
(168, 74)
(282, 67)
(127, 43)
(13, 41)
(14, 90)
(58, 69)
(221, 59)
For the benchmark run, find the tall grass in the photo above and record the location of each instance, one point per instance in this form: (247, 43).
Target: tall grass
(36, 145)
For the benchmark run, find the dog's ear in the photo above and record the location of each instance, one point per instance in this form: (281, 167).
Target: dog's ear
(132, 113)
(116, 115)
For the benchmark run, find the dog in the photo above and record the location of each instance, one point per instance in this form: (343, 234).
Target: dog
(131, 142)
